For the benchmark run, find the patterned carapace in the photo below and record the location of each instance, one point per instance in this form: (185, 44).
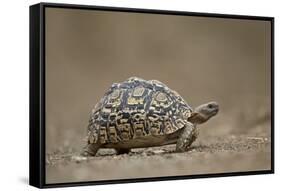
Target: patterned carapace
(136, 108)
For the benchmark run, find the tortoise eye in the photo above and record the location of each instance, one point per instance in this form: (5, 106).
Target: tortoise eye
(210, 106)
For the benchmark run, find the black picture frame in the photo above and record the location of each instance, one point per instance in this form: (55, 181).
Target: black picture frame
(37, 94)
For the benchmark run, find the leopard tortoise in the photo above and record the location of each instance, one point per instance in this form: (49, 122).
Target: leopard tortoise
(138, 113)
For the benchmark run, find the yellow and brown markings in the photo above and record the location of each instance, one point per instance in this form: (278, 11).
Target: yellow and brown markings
(115, 94)
(136, 96)
(155, 123)
(169, 127)
(93, 133)
(125, 130)
(113, 134)
(124, 126)
(106, 110)
(161, 97)
(103, 135)
(115, 98)
(138, 91)
(135, 101)
(159, 114)
(180, 123)
(160, 101)
(138, 122)
(186, 113)
(111, 128)
(92, 136)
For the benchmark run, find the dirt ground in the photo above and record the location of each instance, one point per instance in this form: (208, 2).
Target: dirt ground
(210, 154)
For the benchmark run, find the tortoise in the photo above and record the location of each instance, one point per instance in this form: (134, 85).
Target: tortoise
(138, 113)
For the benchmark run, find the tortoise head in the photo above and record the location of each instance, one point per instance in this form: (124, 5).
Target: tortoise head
(204, 112)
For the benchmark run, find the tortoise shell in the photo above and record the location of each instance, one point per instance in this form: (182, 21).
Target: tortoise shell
(137, 108)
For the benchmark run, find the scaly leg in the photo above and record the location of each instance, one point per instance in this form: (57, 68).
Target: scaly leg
(186, 138)
(91, 149)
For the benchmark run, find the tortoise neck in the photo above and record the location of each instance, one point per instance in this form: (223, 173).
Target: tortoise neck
(197, 119)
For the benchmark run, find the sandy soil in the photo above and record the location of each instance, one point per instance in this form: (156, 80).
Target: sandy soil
(211, 155)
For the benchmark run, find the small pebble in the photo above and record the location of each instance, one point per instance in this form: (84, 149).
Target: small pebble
(143, 154)
(78, 159)
(158, 151)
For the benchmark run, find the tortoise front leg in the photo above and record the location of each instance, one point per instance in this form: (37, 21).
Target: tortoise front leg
(91, 149)
(186, 138)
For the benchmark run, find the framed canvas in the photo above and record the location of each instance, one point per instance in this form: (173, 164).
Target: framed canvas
(122, 95)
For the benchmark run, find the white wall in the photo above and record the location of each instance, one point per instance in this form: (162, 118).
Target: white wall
(14, 39)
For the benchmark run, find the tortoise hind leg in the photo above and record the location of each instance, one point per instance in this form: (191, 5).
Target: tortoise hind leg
(90, 149)
(122, 151)
(186, 138)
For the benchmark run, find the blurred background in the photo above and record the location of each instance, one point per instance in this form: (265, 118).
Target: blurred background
(203, 59)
